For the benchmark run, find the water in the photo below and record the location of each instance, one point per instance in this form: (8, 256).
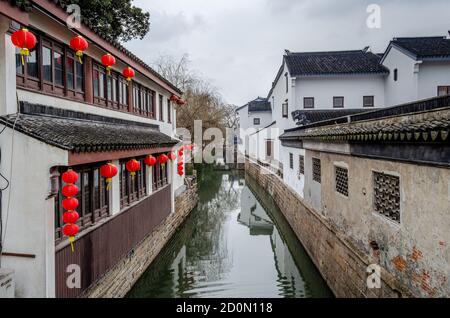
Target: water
(235, 244)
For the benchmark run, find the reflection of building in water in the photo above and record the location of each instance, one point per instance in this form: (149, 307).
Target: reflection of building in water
(253, 215)
(178, 268)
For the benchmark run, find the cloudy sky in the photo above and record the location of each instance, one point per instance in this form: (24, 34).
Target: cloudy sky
(238, 44)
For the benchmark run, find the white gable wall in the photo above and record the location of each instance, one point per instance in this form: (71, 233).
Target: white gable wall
(432, 75)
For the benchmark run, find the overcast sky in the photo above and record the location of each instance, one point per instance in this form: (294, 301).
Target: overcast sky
(238, 44)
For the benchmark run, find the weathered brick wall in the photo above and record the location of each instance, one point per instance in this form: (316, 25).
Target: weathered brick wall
(119, 280)
(342, 264)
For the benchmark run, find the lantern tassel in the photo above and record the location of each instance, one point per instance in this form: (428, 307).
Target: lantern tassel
(80, 54)
(71, 240)
(108, 70)
(24, 52)
(108, 182)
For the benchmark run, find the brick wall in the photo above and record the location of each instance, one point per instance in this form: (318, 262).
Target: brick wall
(118, 281)
(340, 262)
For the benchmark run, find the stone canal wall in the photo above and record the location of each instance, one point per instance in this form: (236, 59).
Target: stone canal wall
(119, 280)
(341, 263)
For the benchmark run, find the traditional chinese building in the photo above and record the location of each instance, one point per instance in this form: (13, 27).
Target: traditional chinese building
(60, 112)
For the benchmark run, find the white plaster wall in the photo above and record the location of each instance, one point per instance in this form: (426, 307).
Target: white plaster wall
(312, 189)
(405, 89)
(352, 88)
(432, 75)
(278, 97)
(292, 177)
(30, 227)
(8, 103)
(247, 127)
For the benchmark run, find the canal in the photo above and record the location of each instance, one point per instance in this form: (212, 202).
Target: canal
(236, 243)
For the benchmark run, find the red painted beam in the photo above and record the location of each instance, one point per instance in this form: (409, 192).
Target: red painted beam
(76, 159)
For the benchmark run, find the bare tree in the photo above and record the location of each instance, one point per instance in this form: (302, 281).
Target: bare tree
(204, 101)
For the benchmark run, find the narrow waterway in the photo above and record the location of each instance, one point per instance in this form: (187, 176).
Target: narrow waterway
(236, 243)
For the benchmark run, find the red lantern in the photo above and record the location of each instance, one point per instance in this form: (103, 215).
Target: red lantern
(69, 190)
(25, 41)
(174, 98)
(71, 217)
(133, 166)
(109, 61)
(79, 45)
(190, 147)
(162, 159)
(172, 156)
(180, 163)
(180, 168)
(108, 172)
(128, 72)
(181, 102)
(70, 176)
(150, 161)
(180, 173)
(70, 204)
(181, 152)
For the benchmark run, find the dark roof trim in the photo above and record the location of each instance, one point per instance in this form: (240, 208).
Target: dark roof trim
(268, 126)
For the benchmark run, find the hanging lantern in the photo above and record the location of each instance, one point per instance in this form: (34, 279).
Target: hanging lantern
(162, 159)
(150, 161)
(128, 72)
(190, 147)
(69, 190)
(25, 41)
(79, 45)
(70, 230)
(108, 61)
(70, 176)
(133, 166)
(180, 168)
(180, 173)
(172, 156)
(180, 163)
(181, 152)
(70, 204)
(71, 217)
(108, 172)
(174, 98)
(181, 102)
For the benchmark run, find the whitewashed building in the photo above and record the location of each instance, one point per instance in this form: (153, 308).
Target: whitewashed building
(58, 113)
(318, 86)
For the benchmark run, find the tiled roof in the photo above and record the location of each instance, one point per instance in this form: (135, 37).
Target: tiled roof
(259, 104)
(425, 47)
(427, 120)
(334, 63)
(86, 133)
(305, 117)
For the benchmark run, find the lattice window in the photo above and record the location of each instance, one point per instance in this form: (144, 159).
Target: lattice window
(342, 181)
(291, 161)
(317, 171)
(387, 195)
(301, 164)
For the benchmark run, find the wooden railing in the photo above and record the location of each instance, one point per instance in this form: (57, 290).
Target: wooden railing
(99, 250)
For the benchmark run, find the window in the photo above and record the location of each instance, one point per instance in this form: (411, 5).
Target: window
(134, 188)
(287, 82)
(58, 64)
(301, 164)
(169, 111)
(159, 176)
(308, 102)
(100, 85)
(395, 75)
(341, 180)
(285, 109)
(161, 108)
(256, 121)
(47, 68)
(93, 199)
(123, 93)
(291, 161)
(269, 149)
(137, 98)
(387, 195)
(338, 102)
(368, 101)
(443, 90)
(317, 173)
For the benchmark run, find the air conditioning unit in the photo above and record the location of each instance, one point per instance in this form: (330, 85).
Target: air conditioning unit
(7, 285)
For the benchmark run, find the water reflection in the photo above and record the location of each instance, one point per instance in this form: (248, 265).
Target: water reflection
(234, 244)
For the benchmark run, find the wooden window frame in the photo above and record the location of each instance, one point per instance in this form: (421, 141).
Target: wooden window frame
(291, 161)
(89, 212)
(285, 106)
(305, 99)
(132, 189)
(317, 175)
(161, 107)
(372, 104)
(169, 111)
(257, 121)
(160, 176)
(396, 75)
(301, 165)
(335, 98)
(444, 87)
